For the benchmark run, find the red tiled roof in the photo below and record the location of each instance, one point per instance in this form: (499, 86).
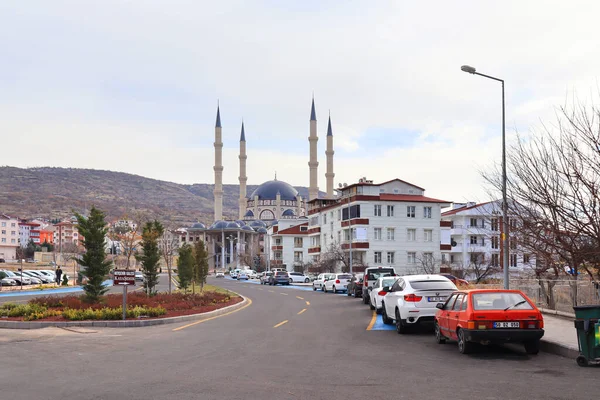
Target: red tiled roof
(410, 197)
(457, 210)
(293, 230)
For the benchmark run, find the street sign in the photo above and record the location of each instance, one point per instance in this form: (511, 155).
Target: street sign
(123, 277)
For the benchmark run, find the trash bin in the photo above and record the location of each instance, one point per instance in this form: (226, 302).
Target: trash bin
(587, 323)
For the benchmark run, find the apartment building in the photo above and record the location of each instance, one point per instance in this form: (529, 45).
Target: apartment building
(289, 243)
(387, 224)
(28, 231)
(475, 231)
(66, 233)
(9, 237)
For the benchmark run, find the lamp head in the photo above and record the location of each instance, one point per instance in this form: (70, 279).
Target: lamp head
(468, 68)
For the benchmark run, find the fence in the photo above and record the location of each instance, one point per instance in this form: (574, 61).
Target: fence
(563, 292)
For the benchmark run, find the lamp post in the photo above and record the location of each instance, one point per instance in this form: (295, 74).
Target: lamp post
(350, 229)
(504, 239)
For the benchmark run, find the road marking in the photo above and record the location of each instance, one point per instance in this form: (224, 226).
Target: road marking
(285, 294)
(216, 316)
(304, 309)
(308, 303)
(271, 291)
(373, 319)
(301, 298)
(260, 289)
(281, 323)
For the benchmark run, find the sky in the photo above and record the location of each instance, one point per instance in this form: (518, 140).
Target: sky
(133, 86)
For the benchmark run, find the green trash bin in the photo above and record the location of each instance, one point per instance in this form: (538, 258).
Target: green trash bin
(587, 323)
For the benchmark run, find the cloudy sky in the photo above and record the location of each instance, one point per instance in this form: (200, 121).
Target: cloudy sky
(133, 86)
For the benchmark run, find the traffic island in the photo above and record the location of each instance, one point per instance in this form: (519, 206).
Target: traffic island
(142, 310)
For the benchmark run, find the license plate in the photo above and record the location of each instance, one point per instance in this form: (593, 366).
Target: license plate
(436, 299)
(507, 325)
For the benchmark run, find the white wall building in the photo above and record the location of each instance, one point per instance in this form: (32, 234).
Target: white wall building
(289, 243)
(475, 231)
(393, 224)
(9, 237)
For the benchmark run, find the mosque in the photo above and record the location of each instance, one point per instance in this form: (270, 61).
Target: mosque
(243, 241)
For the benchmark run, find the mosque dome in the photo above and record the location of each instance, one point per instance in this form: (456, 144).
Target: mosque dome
(247, 228)
(219, 225)
(288, 214)
(198, 225)
(257, 224)
(270, 189)
(233, 225)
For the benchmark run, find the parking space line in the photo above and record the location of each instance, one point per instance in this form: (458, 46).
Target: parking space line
(304, 309)
(261, 289)
(301, 298)
(373, 319)
(271, 291)
(216, 316)
(285, 294)
(281, 323)
(308, 303)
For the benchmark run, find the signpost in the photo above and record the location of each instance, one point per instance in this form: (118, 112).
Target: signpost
(124, 277)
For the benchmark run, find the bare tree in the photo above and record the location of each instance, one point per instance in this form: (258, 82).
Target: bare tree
(169, 246)
(333, 256)
(427, 263)
(481, 267)
(128, 235)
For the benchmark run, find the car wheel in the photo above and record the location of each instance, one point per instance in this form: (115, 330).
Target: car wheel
(365, 299)
(291, 280)
(307, 280)
(439, 338)
(371, 306)
(464, 347)
(400, 327)
(386, 320)
(348, 293)
(324, 288)
(532, 347)
(314, 288)
(334, 290)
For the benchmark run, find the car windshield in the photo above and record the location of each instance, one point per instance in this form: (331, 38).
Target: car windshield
(500, 301)
(432, 285)
(378, 273)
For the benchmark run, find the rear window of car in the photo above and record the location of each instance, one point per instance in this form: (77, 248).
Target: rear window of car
(432, 285)
(280, 273)
(500, 301)
(388, 281)
(344, 276)
(379, 273)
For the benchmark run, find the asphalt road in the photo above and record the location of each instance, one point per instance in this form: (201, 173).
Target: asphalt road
(324, 352)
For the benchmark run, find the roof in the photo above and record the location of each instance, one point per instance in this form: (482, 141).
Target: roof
(329, 132)
(410, 197)
(457, 210)
(294, 230)
(270, 189)
(383, 183)
(218, 123)
(313, 114)
(243, 134)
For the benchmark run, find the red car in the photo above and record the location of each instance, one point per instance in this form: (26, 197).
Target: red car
(455, 280)
(489, 316)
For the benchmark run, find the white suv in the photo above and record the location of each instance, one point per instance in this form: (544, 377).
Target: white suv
(337, 283)
(298, 277)
(412, 300)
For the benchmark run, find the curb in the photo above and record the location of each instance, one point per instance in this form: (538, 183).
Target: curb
(137, 323)
(558, 349)
(557, 313)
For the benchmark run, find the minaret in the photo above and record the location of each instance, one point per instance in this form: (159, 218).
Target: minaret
(313, 164)
(218, 192)
(243, 178)
(329, 154)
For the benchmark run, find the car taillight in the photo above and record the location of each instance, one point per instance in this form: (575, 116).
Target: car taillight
(534, 324)
(412, 298)
(337, 281)
(366, 283)
(382, 293)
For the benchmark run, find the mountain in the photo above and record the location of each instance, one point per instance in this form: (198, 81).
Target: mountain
(57, 192)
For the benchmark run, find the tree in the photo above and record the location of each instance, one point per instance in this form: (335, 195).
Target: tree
(169, 245)
(427, 264)
(49, 246)
(481, 267)
(128, 235)
(150, 256)
(333, 256)
(200, 264)
(185, 266)
(93, 229)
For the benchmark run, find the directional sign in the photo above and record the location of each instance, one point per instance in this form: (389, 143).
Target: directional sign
(123, 277)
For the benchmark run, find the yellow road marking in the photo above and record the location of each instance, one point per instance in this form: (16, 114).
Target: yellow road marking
(373, 319)
(308, 303)
(216, 316)
(301, 298)
(304, 309)
(281, 323)
(285, 294)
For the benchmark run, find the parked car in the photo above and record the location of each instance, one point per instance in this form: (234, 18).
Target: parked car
(355, 285)
(252, 274)
(34, 279)
(8, 282)
(320, 281)
(371, 275)
(279, 277)
(377, 293)
(219, 275)
(489, 316)
(139, 276)
(337, 283)
(43, 278)
(25, 280)
(412, 300)
(233, 274)
(298, 277)
(49, 274)
(455, 280)
(265, 277)
(242, 275)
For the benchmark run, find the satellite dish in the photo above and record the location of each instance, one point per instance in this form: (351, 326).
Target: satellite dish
(453, 243)
(339, 185)
(345, 184)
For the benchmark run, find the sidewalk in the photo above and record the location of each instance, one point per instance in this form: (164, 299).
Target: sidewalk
(560, 336)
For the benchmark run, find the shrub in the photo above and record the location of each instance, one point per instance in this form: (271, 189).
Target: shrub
(107, 313)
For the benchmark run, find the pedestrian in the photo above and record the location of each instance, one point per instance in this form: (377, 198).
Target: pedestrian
(58, 275)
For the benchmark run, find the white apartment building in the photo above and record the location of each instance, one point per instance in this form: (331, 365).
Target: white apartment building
(393, 224)
(9, 237)
(289, 243)
(28, 231)
(475, 231)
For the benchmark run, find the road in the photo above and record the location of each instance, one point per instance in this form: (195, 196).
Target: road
(323, 351)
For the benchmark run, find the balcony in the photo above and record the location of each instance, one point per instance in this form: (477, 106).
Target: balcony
(314, 250)
(356, 221)
(314, 230)
(470, 230)
(355, 245)
(276, 248)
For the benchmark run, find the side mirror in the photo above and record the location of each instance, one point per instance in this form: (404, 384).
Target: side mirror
(440, 306)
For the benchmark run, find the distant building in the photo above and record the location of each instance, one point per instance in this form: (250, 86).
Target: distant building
(28, 231)
(66, 232)
(289, 244)
(9, 237)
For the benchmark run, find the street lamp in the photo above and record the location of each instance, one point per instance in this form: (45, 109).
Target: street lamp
(350, 228)
(473, 71)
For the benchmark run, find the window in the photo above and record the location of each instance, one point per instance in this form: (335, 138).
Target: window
(458, 302)
(526, 258)
(428, 258)
(339, 213)
(473, 239)
(13, 225)
(298, 242)
(495, 224)
(297, 256)
(426, 212)
(450, 302)
(411, 257)
(513, 243)
(339, 236)
(473, 222)
(495, 242)
(513, 260)
(410, 211)
(3, 231)
(4, 224)
(464, 304)
(428, 235)
(512, 223)
(3, 240)
(377, 233)
(476, 258)
(13, 233)
(278, 242)
(391, 233)
(390, 257)
(324, 219)
(390, 211)
(377, 210)
(411, 235)
(499, 301)
(12, 241)
(377, 257)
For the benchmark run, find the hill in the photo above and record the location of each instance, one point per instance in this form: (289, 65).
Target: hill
(57, 192)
